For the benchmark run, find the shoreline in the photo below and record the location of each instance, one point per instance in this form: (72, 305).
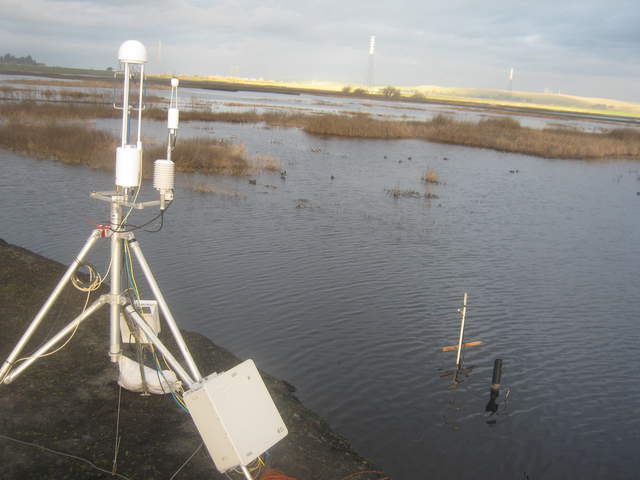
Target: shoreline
(68, 402)
(505, 106)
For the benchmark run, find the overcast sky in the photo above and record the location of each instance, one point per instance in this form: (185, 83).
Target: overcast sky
(585, 47)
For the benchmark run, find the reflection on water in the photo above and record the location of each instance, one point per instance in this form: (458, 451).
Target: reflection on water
(352, 297)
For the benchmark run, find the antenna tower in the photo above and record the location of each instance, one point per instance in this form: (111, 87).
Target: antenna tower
(371, 64)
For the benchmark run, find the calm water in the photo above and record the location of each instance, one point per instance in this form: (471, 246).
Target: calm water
(351, 297)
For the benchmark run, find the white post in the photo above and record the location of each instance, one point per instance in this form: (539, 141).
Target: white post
(464, 312)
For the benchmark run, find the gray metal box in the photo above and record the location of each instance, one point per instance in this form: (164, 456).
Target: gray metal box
(235, 415)
(149, 311)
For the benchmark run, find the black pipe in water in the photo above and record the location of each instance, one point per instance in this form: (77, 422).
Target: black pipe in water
(497, 375)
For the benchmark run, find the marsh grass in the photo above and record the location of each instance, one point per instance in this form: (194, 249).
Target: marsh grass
(213, 156)
(397, 192)
(29, 111)
(79, 144)
(70, 143)
(502, 134)
(207, 188)
(430, 176)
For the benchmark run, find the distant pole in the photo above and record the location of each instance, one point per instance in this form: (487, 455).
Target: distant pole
(372, 49)
(511, 79)
(464, 313)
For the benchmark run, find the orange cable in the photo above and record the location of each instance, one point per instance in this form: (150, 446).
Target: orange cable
(275, 474)
(362, 473)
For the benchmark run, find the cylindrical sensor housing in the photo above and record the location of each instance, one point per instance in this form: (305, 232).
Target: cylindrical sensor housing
(128, 164)
(173, 118)
(164, 174)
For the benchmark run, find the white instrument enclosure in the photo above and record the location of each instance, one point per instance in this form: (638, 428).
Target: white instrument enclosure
(235, 415)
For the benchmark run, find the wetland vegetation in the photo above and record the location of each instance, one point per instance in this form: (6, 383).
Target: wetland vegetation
(32, 108)
(80, 144)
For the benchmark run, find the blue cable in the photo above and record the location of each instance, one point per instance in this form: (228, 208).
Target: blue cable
(155, 357)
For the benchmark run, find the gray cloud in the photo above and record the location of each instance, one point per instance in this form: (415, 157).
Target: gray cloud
(586, 47)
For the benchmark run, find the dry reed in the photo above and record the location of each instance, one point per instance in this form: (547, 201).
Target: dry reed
(430, 176)
(68, 143)
(214, 156)
(31, 110)
(503, 134)
(201, 187)
(75, 143)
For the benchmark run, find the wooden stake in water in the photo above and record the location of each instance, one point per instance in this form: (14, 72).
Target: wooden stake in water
(464, 313)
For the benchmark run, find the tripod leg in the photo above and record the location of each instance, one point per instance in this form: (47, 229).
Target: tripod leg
(57, 338)
(165, 309)
(247, 475)
(95, 235)
(152, 337)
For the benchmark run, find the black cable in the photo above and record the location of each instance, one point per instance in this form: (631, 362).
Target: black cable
(64, 454)
(161, 223)
(139, 227)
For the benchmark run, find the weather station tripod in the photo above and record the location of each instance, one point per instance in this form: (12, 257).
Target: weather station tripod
(235, 431)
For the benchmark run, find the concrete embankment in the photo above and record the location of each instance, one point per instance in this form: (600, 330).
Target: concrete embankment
(66, 405)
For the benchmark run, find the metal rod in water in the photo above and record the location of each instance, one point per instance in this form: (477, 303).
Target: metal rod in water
(464, 313)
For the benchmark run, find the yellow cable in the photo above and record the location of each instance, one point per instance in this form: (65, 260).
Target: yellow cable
(75, 329)
(91, 288)
(133, 278)
(176, 393)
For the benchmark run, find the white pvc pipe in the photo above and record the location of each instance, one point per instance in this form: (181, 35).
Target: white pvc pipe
(464, 312)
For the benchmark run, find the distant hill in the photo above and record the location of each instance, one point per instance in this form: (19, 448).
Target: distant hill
(8, 59)
(554, 101)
